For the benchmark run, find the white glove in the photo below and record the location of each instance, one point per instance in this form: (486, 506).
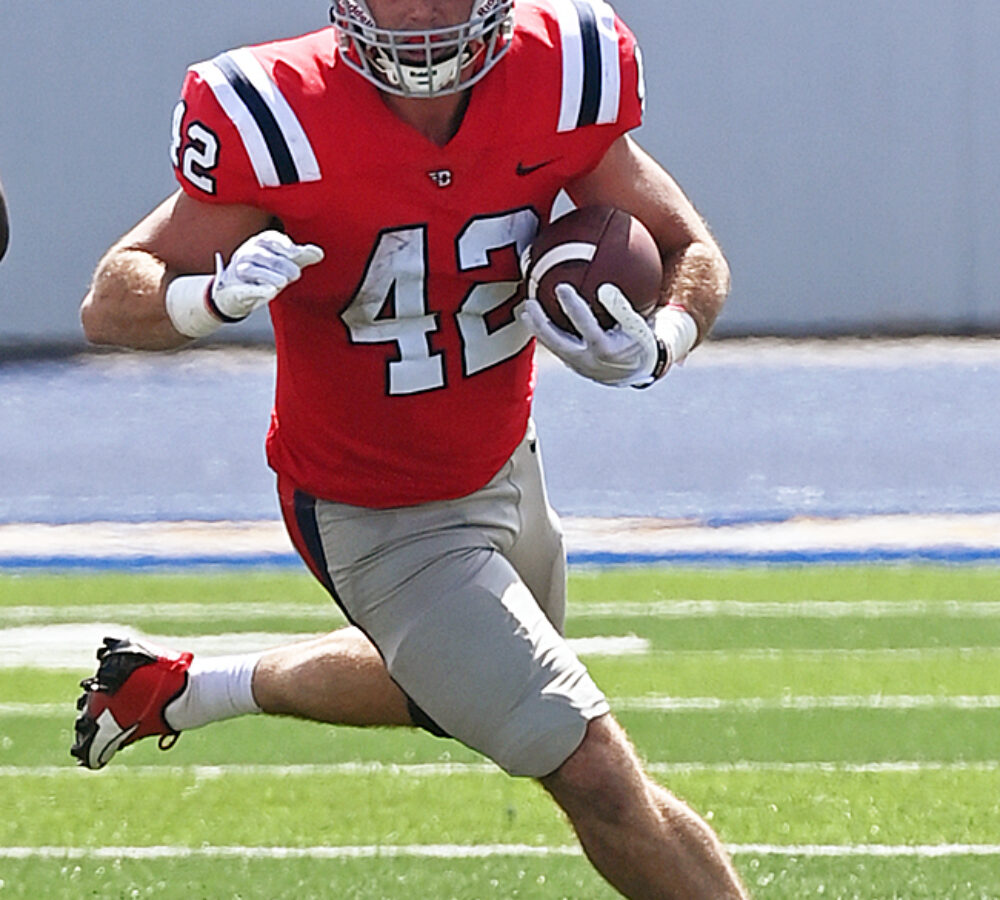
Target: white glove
(629, 354)
(260, 268)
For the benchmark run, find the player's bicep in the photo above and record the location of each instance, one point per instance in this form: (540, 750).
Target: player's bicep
(629, 178)
(185, 234)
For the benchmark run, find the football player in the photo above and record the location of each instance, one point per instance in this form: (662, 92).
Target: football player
(374, 186)
(4, 224)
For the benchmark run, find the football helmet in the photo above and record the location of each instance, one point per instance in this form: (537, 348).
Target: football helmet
(423, 63)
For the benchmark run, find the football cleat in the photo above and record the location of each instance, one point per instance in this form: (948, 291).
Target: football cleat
(125, 700)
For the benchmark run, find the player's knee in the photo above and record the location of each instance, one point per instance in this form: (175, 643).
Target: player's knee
(526, 707)
(602, 779)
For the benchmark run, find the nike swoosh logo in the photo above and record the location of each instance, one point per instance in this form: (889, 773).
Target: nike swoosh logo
(522, 169)
(109, 739)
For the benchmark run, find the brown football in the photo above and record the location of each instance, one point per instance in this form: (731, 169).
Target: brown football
(586, 248)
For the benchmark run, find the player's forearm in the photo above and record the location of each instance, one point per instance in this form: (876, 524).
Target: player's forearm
(697, 278)
(125, 304)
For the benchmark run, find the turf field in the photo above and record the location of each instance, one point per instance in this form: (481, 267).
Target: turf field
(840, 727)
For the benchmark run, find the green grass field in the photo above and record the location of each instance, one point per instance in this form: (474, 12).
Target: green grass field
(840, 728)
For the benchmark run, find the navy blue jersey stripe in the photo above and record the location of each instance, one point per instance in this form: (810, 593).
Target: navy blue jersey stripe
(284, 164)
(308, 526)
(591, 100)
(305, 518)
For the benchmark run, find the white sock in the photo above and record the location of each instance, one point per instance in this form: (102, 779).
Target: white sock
(218, 688)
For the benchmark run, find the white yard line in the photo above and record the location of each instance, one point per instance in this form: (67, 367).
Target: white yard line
(72, 645)
(805, 609)
(806, 702)
(435, 851)
(830, 654)
(469, 851)
(207, 611)
(326, 614)
(445, 770)
(655, 703)
(865, 850)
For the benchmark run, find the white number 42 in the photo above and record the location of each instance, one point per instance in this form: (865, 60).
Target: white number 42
(397, 275)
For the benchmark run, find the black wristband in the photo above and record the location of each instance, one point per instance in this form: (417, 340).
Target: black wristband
(215, 311)
(659, 367)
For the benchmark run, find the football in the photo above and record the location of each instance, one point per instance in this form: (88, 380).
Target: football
(586, 248)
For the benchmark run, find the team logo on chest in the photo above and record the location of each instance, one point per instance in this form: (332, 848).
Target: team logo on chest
(441, 177)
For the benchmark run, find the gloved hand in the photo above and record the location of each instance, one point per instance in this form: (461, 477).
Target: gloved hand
(629, 354)
(261, 267)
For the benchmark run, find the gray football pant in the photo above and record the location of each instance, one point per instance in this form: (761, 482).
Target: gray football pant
(465, 601)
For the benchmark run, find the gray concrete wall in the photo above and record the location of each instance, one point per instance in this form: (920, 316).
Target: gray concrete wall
(844, 152)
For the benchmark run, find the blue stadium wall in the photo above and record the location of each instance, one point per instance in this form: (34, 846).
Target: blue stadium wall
(845, 153)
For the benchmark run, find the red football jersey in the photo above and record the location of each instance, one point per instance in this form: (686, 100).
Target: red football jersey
(403, 375)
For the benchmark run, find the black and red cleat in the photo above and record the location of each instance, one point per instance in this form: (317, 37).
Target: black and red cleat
(125, 700)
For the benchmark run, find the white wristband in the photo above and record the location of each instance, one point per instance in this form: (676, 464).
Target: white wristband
(188, 305)
(677, 329)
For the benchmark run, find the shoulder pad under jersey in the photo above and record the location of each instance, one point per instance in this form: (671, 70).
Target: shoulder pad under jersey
(234, 97)
(602, 79)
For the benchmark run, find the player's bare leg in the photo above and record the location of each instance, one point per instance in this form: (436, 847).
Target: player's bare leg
(140, 691)
(337, 678)
(641, 838)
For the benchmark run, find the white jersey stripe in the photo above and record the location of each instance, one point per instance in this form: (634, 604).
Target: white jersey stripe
(246, 125)
(291, 128)
(611, 78)
(275, 141)
(572, 57)
(591, 77)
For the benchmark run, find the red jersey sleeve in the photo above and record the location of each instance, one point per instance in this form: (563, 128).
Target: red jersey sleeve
(590, 65)
(210, 160)
(237, 135)
(601, 70)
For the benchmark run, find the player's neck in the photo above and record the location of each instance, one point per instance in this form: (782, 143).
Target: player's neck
(438, 118)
